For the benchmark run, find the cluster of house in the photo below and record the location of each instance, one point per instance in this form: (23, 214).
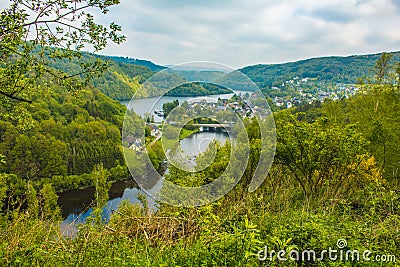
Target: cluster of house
(214, 106)
(136, 144)
(239, 108)
(308, 91)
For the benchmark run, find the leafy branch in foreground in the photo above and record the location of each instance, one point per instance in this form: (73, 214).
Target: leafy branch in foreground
(35, 33)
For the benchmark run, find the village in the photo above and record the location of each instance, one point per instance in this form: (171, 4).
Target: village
(292, 93)
(302, 91)
(207, 110)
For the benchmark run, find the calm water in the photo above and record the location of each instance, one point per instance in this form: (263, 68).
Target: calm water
(75, 203)
(198, 143)
(145, 105)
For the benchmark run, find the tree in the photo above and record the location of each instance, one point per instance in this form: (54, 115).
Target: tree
(101, 194)
(397, 74)
(35, 33)
(50, 208)
(39, 157)
(225, 116)
(321, 157)
(3, 189)
(169, 106)
(382, 68)
(32, 201)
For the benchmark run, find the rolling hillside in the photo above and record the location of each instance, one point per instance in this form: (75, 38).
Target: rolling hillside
(329, 69)
(125, 75)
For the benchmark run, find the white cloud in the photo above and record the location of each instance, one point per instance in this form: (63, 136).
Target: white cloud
(240, 33)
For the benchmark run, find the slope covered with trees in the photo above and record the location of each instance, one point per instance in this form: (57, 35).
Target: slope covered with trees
(334, 183)
(334, 177)
(125, 76)
(63, 137)
(132, 61)
(331, 70)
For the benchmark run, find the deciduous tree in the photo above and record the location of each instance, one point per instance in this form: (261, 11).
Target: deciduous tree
(35, 33)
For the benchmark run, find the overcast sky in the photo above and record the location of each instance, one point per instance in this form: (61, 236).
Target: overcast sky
(240, 33)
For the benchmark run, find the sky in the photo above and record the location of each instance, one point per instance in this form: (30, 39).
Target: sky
(240, 33)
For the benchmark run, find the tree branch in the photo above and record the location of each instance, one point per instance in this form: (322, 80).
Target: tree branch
(11, 96)
(42, 10)
(56, 20)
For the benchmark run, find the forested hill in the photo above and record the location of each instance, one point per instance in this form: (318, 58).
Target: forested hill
(61, 138)
(120, 81)
(124, 76)
(329, 69)
(133, 61)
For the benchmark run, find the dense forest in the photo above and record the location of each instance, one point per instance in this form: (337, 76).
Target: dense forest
(198, 89)
(331, 70)
(62, 137)
(125, 76)
(133, 61)
(335, 176)
(119, 81)
(333, 187)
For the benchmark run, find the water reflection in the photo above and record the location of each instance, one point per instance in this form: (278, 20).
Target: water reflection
(75, 204)
(199, 142)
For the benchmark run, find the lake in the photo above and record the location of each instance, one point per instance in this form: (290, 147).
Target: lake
(145, 105)
(76, 203)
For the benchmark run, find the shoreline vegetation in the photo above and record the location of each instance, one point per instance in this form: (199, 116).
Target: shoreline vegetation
(354, 194)
(179, 95)
(118, 170)
(126, 100)
(316, 202)
(333, 186)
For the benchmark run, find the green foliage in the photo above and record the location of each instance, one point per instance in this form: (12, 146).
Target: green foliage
(60, 134)
(331, 70)
(382, 68)
(198, 89)
(169, 106)
(3, 189)
(119, 81)
(138, 62)
(102, 185)
(375, 114)
(35, 33)
(68, 137)
(101, 195)
(50, 208)
(32, 200)
(319, 156)
(324, 185)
